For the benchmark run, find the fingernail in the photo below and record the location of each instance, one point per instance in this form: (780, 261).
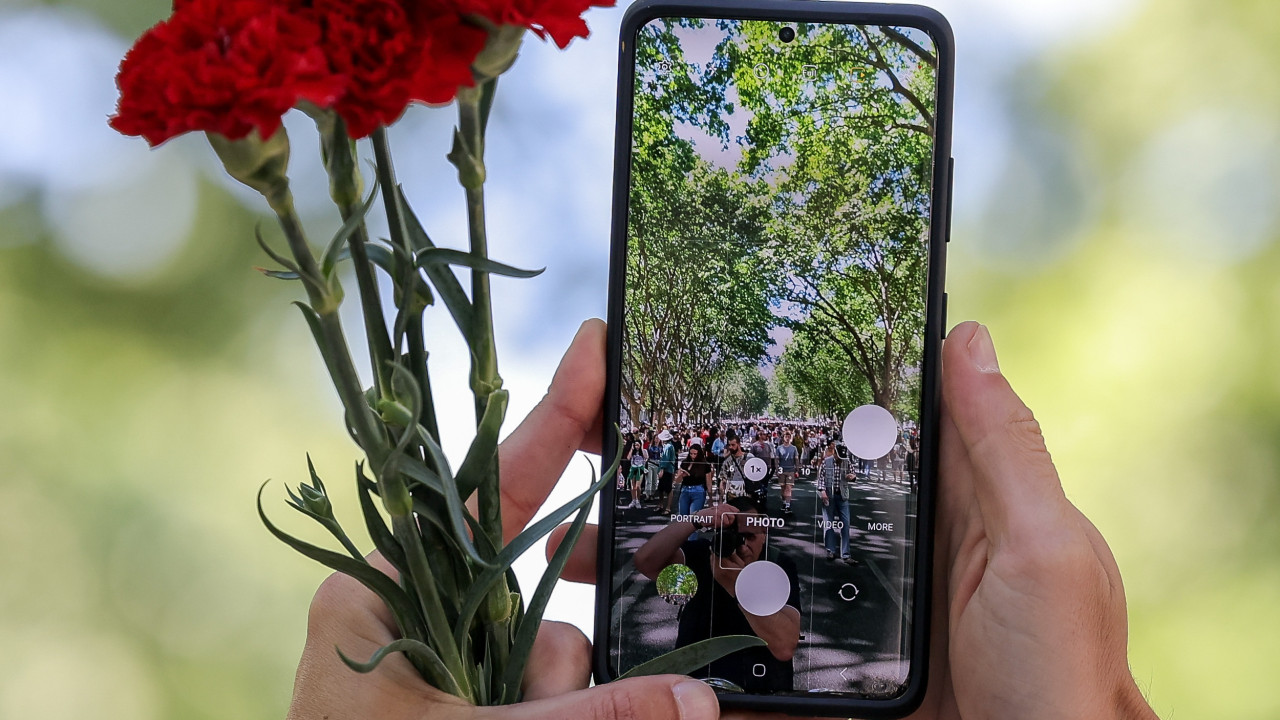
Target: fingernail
(696, 701)
(982, 352)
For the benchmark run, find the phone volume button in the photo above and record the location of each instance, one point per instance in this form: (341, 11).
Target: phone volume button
(951, 189)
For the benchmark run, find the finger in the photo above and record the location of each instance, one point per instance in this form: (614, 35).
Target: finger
(559, 662)
(567, 419)
(346, 614)
(341, 601)
(1015, 482)
(958, 512)
(581, 567)
(660, 697)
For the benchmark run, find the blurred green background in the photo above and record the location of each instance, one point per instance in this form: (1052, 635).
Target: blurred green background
(1118, 174)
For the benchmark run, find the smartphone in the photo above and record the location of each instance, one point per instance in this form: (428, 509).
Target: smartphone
(776, 311)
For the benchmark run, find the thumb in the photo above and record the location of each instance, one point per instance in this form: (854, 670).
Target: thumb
(1017, 486)
(659, 697)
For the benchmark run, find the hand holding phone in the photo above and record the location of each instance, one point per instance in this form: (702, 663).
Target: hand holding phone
(1000, 500)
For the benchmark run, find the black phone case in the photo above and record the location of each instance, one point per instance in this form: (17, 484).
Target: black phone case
(939, 29)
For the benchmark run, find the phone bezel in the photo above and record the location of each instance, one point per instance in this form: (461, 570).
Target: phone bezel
(933, 23)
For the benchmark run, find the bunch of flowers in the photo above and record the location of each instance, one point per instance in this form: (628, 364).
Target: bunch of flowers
(231, 69)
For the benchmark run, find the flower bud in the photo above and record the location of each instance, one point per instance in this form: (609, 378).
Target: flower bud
(499, 51)
(338, 151)
(395, 413)
(316, 501)
(499, 604)
(260, 164)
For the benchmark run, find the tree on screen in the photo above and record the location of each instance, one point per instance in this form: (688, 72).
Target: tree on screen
(821, 215)
(841, 128)
(696, 297)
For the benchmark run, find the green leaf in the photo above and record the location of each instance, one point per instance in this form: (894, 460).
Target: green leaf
(485, 675)
(513, 550)
(457, 512)
(449, 256)
(528, 629)
(382, 537)
(420, 651)
(330, 257)
(522, 542)
(441, 277)
(372, 578)
(434, 527)
(378, 255)
(422, 474)
(262, 243)
(685, 660)
(278, 274)
(428, 508)
(484, 447)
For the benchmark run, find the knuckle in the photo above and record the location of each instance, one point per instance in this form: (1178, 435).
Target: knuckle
(630, 703)
(564, 641)
(330, 598)
(1024, 430)
(619, 705)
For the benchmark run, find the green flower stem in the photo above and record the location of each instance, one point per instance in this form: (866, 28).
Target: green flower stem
(344, 187)
(371, 433)
(374, 442)
(471, 124)
(473, 104)
(380, 350)
(400, 238)
(281, 201)
(404, 526)
(406, 531)
(418, 364)
(336, 530)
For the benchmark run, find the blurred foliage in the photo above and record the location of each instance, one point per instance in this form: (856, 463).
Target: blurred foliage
(139, 419)
(1126, 262)
(1143, 325)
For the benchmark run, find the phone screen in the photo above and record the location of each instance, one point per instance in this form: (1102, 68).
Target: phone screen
(778, 233)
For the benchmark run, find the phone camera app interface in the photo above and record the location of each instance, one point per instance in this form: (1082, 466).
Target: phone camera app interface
(773, 330)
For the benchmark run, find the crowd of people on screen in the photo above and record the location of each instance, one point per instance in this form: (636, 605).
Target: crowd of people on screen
(681, 468)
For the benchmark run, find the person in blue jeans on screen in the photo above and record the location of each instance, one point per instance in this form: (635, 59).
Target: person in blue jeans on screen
(837, 473)
(694, 477)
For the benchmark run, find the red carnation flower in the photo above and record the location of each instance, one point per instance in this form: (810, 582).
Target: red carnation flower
(233, 66)
(391, 53)
(559, 19)
(223, 66)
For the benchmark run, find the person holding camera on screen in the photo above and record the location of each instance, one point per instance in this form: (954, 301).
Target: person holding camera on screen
(716, 562)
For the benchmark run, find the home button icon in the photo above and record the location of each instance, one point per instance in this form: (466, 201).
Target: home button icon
(758, 670)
